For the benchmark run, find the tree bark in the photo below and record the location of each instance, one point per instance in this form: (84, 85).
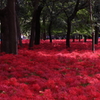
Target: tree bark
(44, 31)
(5, 43)
(18, 31)
(8, 28)
(49, 30)
(73, 38)
(32, 36)
(79, 37)
(37, 34)
(96, 34)
(12, 26)
(68, 32)
(18, 24)
(85, 37)
(33, 26)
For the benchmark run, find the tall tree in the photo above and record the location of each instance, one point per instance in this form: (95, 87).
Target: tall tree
(53, 12)
(11, 6)
(37, 34)
(44, 27)
(70, 10)
(96, 33)
(92, 30)
(96, 15)
(18, 24)
(33, 26)
(8, 29)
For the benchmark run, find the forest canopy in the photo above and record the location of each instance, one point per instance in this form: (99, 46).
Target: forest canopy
(47, 19)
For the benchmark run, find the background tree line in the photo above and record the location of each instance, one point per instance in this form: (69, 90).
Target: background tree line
(40, 18)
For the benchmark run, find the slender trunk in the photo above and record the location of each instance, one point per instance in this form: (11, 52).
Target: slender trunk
(37, 35)
(96, 34)
(49, 30)
(73, 38)
(44, 31)
(93, 41)
(85, 37)
(18, 31)
(68, 32)
(33, 26)
(93, 34)
(79, 37)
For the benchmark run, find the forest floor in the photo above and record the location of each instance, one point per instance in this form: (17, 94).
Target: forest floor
(51, 72)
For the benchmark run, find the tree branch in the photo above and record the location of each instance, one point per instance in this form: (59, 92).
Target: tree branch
(82, 6)
(75, 10)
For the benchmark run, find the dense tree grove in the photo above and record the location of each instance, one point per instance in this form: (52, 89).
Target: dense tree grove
(41, 19)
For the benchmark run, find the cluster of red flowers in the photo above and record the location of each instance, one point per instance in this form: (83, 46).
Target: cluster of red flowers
(51, 72)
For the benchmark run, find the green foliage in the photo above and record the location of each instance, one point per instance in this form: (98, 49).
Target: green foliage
(81, 23)
(55, 10)
(59, 27)
(25, 15)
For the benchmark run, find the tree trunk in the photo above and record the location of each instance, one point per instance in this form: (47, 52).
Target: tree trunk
(12, 26)
(68, 32)
(32, 36)
(33, 26)
(85, 37)
(5, 43)
(73, 38)
(93, 41)
(18, 31)
(8, 29)
(96, 34)
(49, 30)
(37, 34)
(79, 37)
(44, 31)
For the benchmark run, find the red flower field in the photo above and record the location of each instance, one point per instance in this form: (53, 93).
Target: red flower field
(51, 72)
